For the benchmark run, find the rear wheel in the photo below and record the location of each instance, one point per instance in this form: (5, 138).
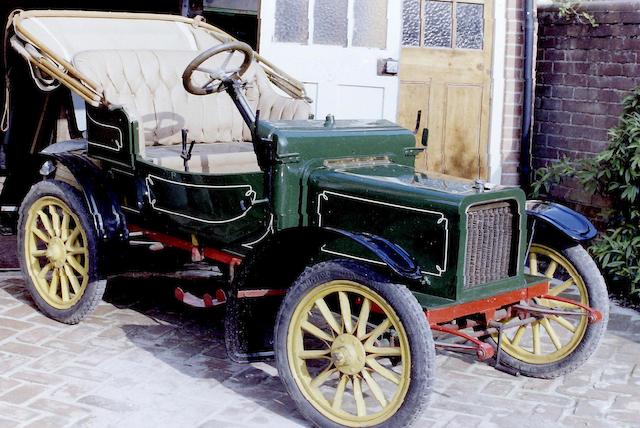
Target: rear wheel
(558, 344)
(58, 251)
(352, 349)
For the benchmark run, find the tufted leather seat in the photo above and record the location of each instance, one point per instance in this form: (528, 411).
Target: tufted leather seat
(148, 84)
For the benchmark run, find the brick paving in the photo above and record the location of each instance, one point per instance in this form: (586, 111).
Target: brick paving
(143, 359)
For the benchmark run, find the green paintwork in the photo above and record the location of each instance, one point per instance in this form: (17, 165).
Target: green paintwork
(354, 175)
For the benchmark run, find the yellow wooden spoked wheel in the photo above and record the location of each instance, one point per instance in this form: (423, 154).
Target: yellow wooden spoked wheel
(349, 354)
(56, 252)
(555, 337)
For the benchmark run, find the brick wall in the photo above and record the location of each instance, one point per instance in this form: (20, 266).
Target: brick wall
(582, 75)
(512, 118)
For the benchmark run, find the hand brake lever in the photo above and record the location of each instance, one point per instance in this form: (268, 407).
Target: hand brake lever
(186, 153)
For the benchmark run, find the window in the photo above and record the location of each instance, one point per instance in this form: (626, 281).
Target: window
(443, 24)
(329, 22)
(292, 21)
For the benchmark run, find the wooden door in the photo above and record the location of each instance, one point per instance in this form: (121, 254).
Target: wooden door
(445, 71)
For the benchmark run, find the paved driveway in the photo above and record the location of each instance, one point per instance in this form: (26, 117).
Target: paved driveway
(143, 360)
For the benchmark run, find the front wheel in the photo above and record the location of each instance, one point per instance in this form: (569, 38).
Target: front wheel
(558, 344)
(353, 349)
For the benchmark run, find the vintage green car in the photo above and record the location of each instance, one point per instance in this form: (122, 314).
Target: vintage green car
(339, 257)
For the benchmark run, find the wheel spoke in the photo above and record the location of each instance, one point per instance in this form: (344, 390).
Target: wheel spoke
(74, 235)
(45, 269)
(73, 262)
(319, 380)
(314, 354)
(41, 235)
(38, 253)
(315, 331)
(76, 251)
(345, 309)
(551, 333)
(55, 281)
(551, 269)
(382, 371)
(518, 336)
(46, 223)
(376, 332)
(561, 288)
(337, 398)
(226, 60)
(535, 337)
(72, 279)
(328, 316)
(64, 227)
(533, 263)
(563, 322)
(363, 319)
(387, 351)
(55, 219)
(361, 407)
(375, 388)
(64, 285)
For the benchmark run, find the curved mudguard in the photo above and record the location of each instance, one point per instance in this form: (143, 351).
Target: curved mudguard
(275, 265)
(109, 221)
(571, 223)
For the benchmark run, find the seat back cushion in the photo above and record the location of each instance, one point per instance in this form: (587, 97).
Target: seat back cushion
(148, 84)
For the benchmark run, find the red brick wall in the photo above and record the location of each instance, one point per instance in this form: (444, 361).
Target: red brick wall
(512, 117)
(582, 75)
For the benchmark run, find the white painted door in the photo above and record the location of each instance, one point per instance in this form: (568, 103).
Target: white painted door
(338, 49)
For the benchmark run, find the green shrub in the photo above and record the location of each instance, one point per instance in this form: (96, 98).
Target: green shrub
(615, 172)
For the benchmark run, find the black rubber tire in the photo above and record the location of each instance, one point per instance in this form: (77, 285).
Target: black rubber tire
(598, 299)
(411, 315)
(95, 287)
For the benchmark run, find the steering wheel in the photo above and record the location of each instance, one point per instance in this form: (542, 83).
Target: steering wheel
(216, 76)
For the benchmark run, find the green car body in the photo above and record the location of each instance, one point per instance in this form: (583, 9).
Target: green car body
(351, 175)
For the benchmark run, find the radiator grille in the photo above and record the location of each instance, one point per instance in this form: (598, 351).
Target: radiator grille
(490, 246)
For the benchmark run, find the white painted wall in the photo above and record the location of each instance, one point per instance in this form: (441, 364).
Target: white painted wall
(497, 91)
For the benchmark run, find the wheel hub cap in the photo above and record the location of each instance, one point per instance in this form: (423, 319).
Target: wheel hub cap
(57, 252)
(348, 354)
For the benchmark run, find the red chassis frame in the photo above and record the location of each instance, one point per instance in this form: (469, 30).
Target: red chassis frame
(482, 315)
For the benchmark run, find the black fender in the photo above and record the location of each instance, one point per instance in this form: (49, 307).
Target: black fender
(570, 223)
(275, 265)
(102, 202)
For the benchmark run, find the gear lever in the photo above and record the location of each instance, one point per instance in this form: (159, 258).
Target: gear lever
(186, 153)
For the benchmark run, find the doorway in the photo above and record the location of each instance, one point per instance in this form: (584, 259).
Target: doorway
(445, 72)
(239, 18)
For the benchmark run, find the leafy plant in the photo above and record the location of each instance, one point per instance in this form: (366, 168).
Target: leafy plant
(571, 10)
(615, 172)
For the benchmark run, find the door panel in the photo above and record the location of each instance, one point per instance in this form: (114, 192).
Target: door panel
(462, 128)
(224, 209)
(370, 102)
(447, 48)
(415, 96)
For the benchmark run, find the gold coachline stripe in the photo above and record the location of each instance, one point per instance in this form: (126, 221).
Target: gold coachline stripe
(88, 89)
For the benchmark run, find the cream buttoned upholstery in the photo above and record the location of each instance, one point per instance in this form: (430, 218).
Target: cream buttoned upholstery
(148, 84)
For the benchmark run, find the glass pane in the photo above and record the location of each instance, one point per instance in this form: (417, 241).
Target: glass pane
(411, 23)
(470, 26)
(370, 23)
(292, 21)
(437, 24)
(330, 22)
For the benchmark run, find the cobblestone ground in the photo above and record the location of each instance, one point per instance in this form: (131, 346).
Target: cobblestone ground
(144, 360)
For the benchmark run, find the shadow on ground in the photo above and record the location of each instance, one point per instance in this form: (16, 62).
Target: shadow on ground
(194, 342)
